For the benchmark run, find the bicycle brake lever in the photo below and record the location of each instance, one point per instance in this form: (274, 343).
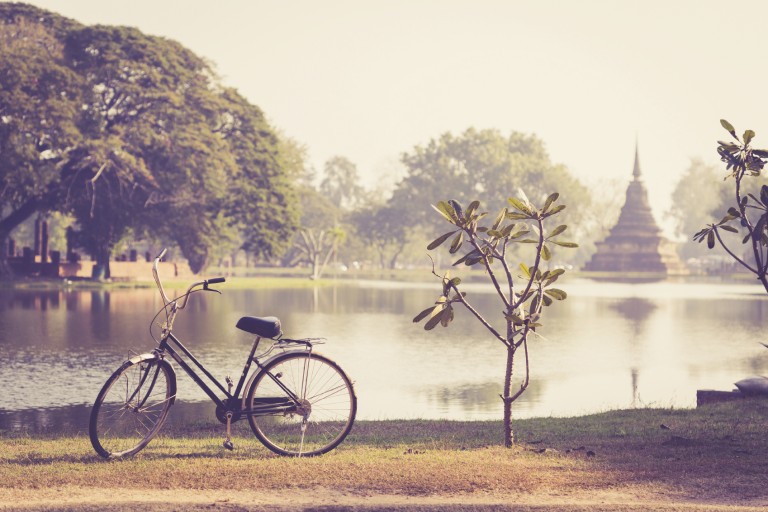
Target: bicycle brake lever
(206, 289)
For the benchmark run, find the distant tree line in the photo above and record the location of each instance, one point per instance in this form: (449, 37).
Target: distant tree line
(134, 137)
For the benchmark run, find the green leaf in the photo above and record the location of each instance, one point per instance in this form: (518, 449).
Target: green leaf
(556, 293)
(534, 307)
(729, 128)
(518, 234)
(519, 205)
(546, 300)
(424, 314)
(456, 281)
(734, 212)
(439, 241)
(446, 316)
(432, 322)
(506, 230)
(570, 245)
(555, 210)
(460, 260)
(456, 208)
(456, 244)
(764, 195)
(730, 228)
(474, 205)
(558, 230)
(545, 253)
(711, 239)
(526, 270)
(748, 136)
(551, 199)
(499, 219)
(446, 210)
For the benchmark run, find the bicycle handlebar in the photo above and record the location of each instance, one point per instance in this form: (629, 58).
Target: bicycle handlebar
(159, 283)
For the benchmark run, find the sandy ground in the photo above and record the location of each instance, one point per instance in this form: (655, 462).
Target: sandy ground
(329, 500)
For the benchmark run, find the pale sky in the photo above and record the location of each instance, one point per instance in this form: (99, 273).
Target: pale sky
(370, 80)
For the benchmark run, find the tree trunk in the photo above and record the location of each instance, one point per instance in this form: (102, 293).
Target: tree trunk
(395, 256)
(102, 260)
(509, 435)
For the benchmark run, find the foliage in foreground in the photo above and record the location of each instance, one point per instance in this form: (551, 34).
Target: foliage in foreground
(750, 208)
(489, 247)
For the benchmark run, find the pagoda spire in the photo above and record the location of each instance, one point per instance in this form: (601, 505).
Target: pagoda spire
(636, 169)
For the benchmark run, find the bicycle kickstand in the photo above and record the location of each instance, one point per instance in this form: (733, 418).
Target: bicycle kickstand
(228, 441)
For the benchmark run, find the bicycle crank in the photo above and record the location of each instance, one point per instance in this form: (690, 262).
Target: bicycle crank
(228, 441)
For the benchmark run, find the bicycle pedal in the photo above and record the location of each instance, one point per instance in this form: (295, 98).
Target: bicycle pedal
(228, 445)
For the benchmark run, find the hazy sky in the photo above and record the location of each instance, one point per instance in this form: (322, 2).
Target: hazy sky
(370, 80)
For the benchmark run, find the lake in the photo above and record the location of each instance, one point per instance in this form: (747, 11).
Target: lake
(608, 346)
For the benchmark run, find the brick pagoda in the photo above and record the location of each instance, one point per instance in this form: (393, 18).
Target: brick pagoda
(635, 243)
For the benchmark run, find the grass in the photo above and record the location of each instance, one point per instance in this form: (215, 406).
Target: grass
(702, 459)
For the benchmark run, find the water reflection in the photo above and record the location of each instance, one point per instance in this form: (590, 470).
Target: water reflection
(608, 346)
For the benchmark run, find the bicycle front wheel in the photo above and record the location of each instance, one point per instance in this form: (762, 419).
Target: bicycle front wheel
(131, 407)
(301, 404)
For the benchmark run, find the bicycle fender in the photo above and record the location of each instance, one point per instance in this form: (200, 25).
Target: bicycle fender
(148, 356)
(257, 373)
(151, 356)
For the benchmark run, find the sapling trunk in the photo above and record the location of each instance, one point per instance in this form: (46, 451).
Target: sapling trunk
(509, 435)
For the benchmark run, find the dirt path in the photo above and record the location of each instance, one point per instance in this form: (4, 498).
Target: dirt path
(73, 498)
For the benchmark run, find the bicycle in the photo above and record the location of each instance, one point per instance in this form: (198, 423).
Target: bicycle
(298, 402)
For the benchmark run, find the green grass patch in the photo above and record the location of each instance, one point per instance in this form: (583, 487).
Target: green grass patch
(711, 455)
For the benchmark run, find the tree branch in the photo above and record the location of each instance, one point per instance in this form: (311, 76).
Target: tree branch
(463, 301)
(535, 267)
(488, 267)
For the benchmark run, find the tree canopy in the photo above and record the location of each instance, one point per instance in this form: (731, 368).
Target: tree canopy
(133, 132)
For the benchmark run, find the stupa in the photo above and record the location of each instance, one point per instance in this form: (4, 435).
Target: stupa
(635, 244)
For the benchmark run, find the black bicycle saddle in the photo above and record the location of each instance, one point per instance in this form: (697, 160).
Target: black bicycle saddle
(266, 327)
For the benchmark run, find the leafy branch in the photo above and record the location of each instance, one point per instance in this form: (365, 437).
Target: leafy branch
(751, 210)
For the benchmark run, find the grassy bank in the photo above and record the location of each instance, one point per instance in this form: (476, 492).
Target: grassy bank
(712, 458)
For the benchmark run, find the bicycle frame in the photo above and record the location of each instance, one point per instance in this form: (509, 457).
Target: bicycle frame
(232, 402)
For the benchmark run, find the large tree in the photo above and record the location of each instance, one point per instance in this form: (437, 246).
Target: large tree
(161, 147)
(489, 164)
(39, 106)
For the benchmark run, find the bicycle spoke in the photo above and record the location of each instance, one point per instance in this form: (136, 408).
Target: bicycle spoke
(323, 415)
(131, 408)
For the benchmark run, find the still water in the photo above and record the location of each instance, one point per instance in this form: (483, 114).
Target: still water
(608, 346)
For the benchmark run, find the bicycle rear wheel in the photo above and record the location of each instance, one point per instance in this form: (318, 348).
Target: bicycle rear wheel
(317, 420)
(131, 407)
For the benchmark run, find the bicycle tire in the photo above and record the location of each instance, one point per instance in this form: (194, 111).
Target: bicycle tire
(328, 400)
(131, 407)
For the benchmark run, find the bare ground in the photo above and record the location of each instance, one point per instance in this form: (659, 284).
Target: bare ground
(630, 498)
